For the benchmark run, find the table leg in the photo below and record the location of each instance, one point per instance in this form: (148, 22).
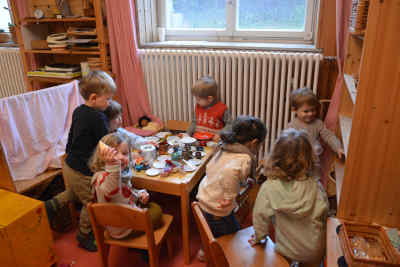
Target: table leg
(185, 213)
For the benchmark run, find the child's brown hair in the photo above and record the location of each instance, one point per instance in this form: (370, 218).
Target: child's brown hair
(205, 87)
(291, 157)
(113, 110)
(96, 163)
(302, 96)
(97, 82)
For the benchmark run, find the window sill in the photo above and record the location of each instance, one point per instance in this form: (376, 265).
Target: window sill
(233, 45)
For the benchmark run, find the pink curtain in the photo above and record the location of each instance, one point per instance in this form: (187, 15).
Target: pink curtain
(343, 8)
(126, 63)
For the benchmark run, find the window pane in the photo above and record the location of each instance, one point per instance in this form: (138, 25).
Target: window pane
(196, 14)
(4, 15)
(272, 14)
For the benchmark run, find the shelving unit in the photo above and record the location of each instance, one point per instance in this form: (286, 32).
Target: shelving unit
(29, 29)
(367, 182)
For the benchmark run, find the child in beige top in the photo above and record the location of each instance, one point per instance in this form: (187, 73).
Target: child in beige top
(295, 199)
(226, 171)
(305, 104)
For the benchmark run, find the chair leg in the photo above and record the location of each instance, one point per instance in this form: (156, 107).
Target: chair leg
(170, 248)
(104, 252)
(154, 256)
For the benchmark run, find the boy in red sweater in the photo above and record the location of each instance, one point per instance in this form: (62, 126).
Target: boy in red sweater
(211, 115)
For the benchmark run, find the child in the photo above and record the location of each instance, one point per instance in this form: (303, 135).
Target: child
(294, 198)
(112, 180)
(89, 125)
(230, 167)
(114, 115)
(210, 114)
(145, 123)
(305, 104)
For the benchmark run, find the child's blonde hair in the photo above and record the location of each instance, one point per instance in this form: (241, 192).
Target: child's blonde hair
(96, 163)
(291, 156)
(97, 82)
(113, 110)
(205, 87)
(302, 96)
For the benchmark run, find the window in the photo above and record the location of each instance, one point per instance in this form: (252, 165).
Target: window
(240, 20)
(5, 15)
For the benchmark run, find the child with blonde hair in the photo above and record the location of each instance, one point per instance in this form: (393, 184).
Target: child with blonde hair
(114, 115)
(210, 115)
(306, 106)
(293, 200)
(89, 125)
(111, 181)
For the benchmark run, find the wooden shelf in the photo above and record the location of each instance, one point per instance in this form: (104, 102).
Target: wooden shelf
(51, 20)
(351, 87)
(51, 79)
(345, 129)
(63, 52)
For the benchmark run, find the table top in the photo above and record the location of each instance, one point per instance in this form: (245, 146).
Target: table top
(239, 252)
(178, 178)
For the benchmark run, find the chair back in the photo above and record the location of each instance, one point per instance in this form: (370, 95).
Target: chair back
(174, 125)
(122, 216)
(212, 248)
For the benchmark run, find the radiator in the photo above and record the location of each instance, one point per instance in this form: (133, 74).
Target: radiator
(250, 83)
(11, 72)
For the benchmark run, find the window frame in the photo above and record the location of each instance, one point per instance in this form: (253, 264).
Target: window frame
(232, 33)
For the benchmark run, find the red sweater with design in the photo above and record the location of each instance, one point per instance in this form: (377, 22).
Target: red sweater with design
(210, 119)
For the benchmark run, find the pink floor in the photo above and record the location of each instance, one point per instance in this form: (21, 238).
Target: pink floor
(70, 255)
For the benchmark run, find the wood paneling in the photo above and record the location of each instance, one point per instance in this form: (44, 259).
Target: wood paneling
(326, 37)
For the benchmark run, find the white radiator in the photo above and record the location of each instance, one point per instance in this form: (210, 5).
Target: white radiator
(11, 72)
(250, 83)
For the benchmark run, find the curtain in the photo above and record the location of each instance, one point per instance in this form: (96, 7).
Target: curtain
(126, 62)
(343, 8)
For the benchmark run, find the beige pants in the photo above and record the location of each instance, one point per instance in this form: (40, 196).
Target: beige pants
(78, 190)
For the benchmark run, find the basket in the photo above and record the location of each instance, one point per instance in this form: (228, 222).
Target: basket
(374, 233)
(358, 16)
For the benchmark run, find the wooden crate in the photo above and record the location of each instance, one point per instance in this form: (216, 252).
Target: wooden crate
(374, 232)
(25, 235)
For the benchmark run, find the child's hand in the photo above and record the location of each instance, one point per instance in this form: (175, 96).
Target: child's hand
(340, 153)
(250, 182)
(216, 138)
(108, 154)
(252, 240)
(224, 203)
(144, 197)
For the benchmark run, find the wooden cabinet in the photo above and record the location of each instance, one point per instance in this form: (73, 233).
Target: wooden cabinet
(31, 29)
(368, 182)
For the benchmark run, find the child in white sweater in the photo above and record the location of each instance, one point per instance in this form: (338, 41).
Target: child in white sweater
(112, 180)
(295, 199)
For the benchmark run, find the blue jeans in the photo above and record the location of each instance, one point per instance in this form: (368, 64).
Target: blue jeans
(222, 225)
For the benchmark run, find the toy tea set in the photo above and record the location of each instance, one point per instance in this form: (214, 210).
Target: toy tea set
(165, 154)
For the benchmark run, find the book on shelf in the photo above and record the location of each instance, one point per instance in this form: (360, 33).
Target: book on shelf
(62, 67)
(52, 74)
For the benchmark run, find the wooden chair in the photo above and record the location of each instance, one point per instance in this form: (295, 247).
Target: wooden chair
(214, 254)
(124, 216)
(174, 125)
(234, 250)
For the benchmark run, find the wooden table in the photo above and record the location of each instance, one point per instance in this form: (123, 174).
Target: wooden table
(333, 249)
(239, 252)
(179, 185)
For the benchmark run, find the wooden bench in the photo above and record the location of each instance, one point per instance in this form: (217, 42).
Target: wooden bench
(23, 186)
